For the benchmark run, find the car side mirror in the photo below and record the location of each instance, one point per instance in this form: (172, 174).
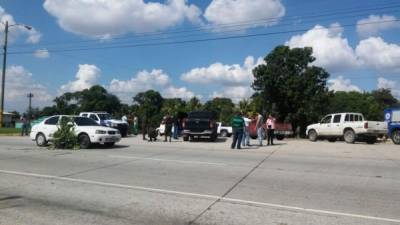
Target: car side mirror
(70, 124)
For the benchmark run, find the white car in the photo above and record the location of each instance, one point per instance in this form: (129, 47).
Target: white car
(87, 130)
(349, 126)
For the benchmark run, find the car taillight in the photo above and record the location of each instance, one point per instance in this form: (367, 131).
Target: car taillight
(366, 125)
(184, 123)
(211, 124)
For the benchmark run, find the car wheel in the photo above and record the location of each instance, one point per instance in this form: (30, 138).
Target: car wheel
(349, 136)
(109, 144)
(224, 133)
(41, 140)
(312, 135)
(280, 137)
(396, 137)
(84, 141)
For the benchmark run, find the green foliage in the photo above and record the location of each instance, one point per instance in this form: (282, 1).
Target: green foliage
(6, 130)
(193, 104)
(223, 107)
(371, 105)
(149, 105)
(64, 137)
(290, 87)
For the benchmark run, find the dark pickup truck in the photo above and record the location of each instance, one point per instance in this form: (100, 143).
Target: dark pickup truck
(200, 124)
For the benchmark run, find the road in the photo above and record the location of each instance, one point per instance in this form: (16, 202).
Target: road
(294, 182)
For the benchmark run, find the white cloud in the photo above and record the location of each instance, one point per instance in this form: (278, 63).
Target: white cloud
(331, 50)
(252, 13)
(389, 84)
(32, 35)
(218, 73)
(86, 77)
(237, 93)
(374, 24)
(101, 18)
(41, 53)
(342, 84)
(145, 80)
(375, 53)
(20, 82)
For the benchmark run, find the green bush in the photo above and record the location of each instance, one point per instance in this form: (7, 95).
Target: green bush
(64, 137)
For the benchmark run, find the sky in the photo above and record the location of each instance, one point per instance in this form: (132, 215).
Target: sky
(187, 48)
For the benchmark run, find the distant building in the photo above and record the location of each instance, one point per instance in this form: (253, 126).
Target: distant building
(7, 119)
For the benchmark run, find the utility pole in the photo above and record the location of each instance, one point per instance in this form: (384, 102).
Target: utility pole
(30, 96)
(3, 75)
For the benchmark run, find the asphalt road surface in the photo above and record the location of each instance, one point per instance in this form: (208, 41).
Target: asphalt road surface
(294, 182)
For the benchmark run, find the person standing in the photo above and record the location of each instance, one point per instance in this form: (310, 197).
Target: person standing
(144, 127)
(135, 125)
(270, 129)
(176, 128)
(168, 128)
(246, 132)
(237, 127)
(24, 128)
(124, 118)
(260, 129)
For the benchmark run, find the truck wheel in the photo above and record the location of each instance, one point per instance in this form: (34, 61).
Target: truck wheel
(185, 138)
(213, 138)
(349, 136)
(312, 135)
(371, 140)
(280, 137)
(224, 133)
(84, 141)
(396, 137)
(40, 140)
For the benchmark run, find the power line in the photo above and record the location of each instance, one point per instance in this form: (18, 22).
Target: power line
(244, 24)
(197, 40)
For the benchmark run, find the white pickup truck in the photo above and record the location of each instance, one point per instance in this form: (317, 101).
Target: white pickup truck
(349, 126)
(224, 131)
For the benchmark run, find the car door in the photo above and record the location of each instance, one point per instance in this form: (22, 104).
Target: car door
(336, 128)
(50, 127)
(325, 126)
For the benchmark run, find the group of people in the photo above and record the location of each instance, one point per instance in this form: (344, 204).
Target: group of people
(172, 129)
(241, 129)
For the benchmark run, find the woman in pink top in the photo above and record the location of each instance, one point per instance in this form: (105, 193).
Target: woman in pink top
(270, 129)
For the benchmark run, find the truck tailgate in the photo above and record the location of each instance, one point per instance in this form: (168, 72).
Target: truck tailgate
(377, 126)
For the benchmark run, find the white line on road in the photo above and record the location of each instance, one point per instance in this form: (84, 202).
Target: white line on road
(167, 160)
(214, 197)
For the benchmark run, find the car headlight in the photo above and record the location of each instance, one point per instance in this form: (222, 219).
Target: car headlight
(101, 132)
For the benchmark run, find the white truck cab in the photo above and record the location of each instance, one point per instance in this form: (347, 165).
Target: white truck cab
(349, 126)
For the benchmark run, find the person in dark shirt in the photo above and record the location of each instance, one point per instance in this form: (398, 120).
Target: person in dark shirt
(168, 128)
(237, 129)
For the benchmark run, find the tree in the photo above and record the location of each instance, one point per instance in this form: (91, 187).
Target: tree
(96, 98)
(193, 104)
(289, 85)
(173, 106)
(223, 107)
(384, 98)
(149, 106)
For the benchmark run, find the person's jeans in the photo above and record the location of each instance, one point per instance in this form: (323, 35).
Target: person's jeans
(237, 138)
(270, 135)
(260, 135)
(246, 137)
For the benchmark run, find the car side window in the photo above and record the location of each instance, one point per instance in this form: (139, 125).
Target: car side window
(93, 117)
(336, 118)
(84, 115)
(347, 118)
(52, 120)
(326, 119)
(351, 117)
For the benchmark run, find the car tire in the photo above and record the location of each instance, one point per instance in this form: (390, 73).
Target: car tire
(280, 137)
(224, 133)
(349, 136)
(396, 137)
(312, 135)
(84, 141)
(109, 144)
(40, 140)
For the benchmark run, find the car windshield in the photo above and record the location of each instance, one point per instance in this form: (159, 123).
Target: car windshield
(104, 116)
(84, 121)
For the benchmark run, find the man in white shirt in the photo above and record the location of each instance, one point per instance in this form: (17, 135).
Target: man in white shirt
(260, 129)
(246, 137)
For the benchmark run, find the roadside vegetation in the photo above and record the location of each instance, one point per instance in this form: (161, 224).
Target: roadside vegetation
(5, 130)
(65, 137)
(288, 84)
